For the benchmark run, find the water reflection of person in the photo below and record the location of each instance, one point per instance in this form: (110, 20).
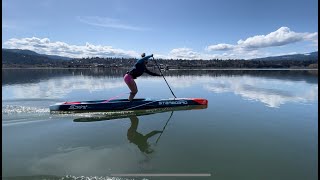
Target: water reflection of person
(139, 139)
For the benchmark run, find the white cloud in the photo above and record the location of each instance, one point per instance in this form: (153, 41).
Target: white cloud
(45, 46)
(108, 23)
(220, 47)
(190, 54)
(251, 47)
(282, 36)
(184, 53)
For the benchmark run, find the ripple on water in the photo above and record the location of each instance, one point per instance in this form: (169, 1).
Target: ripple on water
(17, 109)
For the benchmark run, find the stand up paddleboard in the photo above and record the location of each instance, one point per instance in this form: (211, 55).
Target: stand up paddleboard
(124, 104)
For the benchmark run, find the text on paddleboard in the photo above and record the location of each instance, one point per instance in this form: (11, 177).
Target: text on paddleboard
(78, 107)
(172, 102)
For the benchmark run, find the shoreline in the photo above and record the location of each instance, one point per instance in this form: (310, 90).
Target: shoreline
(194, 69)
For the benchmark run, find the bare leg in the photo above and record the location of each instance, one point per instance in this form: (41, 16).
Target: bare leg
(133, 88)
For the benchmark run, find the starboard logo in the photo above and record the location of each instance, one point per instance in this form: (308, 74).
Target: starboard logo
(73, 107)
(172, 102)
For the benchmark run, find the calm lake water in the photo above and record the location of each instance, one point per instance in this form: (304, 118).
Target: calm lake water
(259, 124)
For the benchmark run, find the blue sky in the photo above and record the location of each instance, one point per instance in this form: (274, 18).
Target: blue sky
(186, 29)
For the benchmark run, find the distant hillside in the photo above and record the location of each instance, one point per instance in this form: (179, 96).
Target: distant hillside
(15, 56)
(294, 57)
(28, 52)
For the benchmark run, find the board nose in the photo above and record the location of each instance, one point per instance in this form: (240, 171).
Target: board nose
(200, 101)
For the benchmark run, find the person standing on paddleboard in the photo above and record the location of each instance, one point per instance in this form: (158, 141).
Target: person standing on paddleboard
(137, 70)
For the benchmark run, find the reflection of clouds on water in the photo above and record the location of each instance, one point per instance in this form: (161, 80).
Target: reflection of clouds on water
(56, 88)
(88, 161)
(178, 82)
(269, 91)
(273, 92)
(188, 81)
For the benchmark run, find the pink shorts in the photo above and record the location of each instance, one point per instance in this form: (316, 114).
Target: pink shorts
(128, 79)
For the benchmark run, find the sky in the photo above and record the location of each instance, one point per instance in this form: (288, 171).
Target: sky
(169, 29)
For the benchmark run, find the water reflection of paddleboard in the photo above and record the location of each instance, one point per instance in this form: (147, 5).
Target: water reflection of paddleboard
(125, 114)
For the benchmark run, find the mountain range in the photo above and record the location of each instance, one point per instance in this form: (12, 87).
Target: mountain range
(32, 53)
(294, 57)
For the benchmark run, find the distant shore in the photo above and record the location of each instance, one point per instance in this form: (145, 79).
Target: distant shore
(191, 69)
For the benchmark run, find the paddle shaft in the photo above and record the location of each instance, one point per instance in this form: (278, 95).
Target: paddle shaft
(164, 77)
(164, 127)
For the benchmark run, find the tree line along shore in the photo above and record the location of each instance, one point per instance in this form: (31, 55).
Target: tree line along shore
(164, 64)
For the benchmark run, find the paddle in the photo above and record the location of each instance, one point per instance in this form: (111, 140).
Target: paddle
(164, 77)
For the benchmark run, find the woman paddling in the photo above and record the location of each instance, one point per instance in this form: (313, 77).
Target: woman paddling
(137, 70)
